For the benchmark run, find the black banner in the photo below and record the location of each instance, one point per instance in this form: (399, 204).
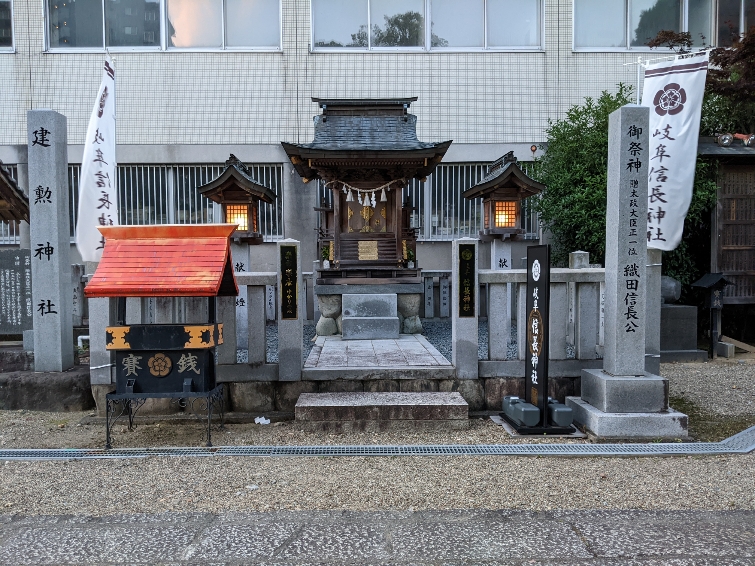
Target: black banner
(537, 347)
(289, 283)
(467, 277)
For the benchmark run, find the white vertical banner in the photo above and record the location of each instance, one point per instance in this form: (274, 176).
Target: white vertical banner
(674, 92)
(98, 200)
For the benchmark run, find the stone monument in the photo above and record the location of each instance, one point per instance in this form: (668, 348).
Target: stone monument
(622, 399)
(50, 236)
(290, 312)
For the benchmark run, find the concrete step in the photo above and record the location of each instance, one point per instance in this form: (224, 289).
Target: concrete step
(370, 328)
(369, 305)
(381, 411)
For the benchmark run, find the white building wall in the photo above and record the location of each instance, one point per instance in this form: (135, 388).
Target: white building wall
(249, 98)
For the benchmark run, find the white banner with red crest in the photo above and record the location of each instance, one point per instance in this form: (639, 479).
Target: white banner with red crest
(98, 200)
(674, 92)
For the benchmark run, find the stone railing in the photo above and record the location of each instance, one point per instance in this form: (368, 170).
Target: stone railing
(575, 334)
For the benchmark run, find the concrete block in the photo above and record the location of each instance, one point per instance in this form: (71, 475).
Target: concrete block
(381, 406)
(418, 385)
(624, 394)
(370, 305)
(373, 328)
(678, 327)
(341, 386)
(725, 349)
(256, 324)
(226, 314)
(287, 393)
(666, 424)
(381, 386)
(499, 321)
(472, 390)
(496, 388)
(579, 260)
(252, 397)
(46, 391)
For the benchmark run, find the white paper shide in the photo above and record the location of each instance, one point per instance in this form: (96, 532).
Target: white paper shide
(98, 201)
(674, 92)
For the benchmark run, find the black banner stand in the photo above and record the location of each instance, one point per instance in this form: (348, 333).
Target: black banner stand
(537, 349)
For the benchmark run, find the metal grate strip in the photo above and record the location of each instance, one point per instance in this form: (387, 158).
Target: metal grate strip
(742, 443)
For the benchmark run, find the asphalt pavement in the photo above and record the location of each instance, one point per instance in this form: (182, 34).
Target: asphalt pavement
(385, 538)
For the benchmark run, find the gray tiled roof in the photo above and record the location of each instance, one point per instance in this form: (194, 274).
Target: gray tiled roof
(366, 133)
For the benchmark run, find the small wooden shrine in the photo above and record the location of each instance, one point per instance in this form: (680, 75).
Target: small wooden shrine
(173, 361)
(366, 152)
(240, 195)
(502, 190)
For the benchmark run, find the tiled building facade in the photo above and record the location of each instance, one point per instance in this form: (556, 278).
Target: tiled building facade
(179, 105)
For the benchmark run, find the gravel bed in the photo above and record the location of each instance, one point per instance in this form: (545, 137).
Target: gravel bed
(722, 387)
(438, 333)
(154, 485)
(271, 335)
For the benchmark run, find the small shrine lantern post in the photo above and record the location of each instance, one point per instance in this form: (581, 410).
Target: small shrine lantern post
(236, 190)
(502, 190)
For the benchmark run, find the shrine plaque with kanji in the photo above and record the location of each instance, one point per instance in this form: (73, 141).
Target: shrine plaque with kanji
(16, 307)
(289, 283)
(467, 280)
(537, 347)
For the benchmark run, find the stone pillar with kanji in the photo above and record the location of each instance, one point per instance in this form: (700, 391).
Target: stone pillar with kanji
(50, 240)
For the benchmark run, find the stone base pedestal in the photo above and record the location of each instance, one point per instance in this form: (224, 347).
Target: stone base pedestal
(666, 424)
(624, 394)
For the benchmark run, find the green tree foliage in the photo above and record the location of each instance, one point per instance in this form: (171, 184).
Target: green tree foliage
(573, 206)
(574, 170)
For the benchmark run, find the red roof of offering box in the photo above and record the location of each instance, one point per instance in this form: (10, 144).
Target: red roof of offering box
(174, 260)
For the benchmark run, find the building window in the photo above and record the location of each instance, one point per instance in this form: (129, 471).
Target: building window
(735, 17)
(6, 25)
(427, 24)
(630, 24)
(134, 24)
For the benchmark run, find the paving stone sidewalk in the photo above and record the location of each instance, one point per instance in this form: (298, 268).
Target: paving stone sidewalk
(417, 538)
(407, 351)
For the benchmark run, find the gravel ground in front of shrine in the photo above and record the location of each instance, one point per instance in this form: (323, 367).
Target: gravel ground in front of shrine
(214, 484)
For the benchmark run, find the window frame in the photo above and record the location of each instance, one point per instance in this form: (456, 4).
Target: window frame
(628, 30)
(427, 48)
(12, 47)
(163, 42)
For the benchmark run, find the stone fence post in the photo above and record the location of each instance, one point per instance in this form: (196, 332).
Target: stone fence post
(291, 311)
(464, 308)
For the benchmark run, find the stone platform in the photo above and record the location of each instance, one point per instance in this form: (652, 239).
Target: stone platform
(410, 356)
(342, 412)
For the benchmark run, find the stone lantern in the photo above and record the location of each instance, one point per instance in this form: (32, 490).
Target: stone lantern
(239, 194)
(502, 190)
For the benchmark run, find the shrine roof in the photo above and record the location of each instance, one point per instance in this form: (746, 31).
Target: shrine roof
(237, 181)
(187, 260)
(505, 176)
(366, 130)
(14, 204)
